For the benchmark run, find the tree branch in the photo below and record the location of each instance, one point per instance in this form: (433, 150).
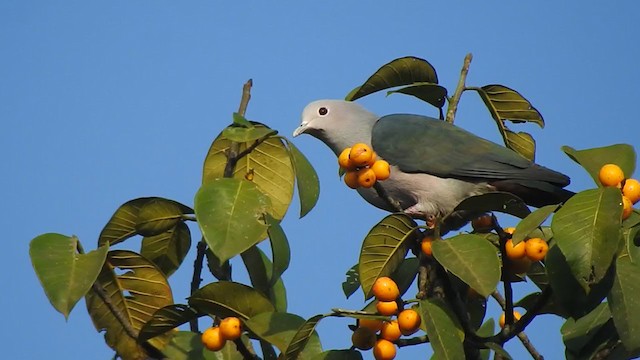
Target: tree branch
(455, 99)
(197, 277)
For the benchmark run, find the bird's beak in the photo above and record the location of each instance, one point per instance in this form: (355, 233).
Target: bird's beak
(300, 130)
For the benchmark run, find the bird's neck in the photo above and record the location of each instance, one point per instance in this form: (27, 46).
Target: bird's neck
(343, 139)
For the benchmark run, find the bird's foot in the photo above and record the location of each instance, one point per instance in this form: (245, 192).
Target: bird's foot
(431, 221)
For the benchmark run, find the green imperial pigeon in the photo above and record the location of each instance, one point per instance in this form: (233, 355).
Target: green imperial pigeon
(434, 165)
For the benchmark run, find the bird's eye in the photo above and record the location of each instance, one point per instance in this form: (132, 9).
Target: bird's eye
(323, 111)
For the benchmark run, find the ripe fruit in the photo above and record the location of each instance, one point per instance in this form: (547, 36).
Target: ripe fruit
(611, 175)
(360, 154)
(371, 324)
(212, 339)
(230, 328)
(519, 266)
(363, 338)
(510, 230)
(344, 161)
(516, 317)
(631, 190)
(387, 308)
(515, 252)
(385, 289)
(351, 179)
(409, 321)
(381, 169)
(384, 350)
(627, 207)
(366, 177)
(374, 158)
(482, 223)
(390, 331)
(536, 249)
(425, 246)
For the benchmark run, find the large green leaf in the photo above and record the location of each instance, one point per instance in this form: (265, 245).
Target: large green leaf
(432, 93)
(157, 216)
(225, 298)
(521, 142)
(280, 328)
(137, 289)
(65, 275)
(260, 270)
(576, 333)
(495, 201)
(302, 338)
(624, 302)
(593, 159)
(587, 230)
(445, 333)
(472, 259)
(167, 250)
(306, 179)
(124, 221)
(268, 166)
(532, 222)
(166, 319)
(404, 276)
(384, 249)
(402, 71)
(230, 215)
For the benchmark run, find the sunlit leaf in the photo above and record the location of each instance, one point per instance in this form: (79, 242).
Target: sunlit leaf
(445, 333)
(230, 214)
(384, 249)
(306, 179)
(137, 289)
(225, 298)
(166, 319)
(495, 201)
(402, 71)
(521, 142)
(301, 338)
(507, 104)
(593, 159)
(65, 275)
(472, 259)
(532, 222)
(587, 230)
(624, 302)
(167, 250)
(157, 216)
(434, 94)
(280, 328)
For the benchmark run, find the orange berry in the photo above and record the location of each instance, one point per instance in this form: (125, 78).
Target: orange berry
(425, 246)
(510, 230)
(631, 190)
(390, 330)
(384, 350)
(212, 339)
(516, 317)
(344, 161)
(536, 249)
(387, 308)
(363, 338)
(519, 266)
(482, 223)
(409, 321)
(230, 328)
(372, 324)
(382, 169)
(627, 207)
(360, 154)
(351, 179)
(515, 252)
(374, 158)
(611, 175)
(385, 289)
(366, 177)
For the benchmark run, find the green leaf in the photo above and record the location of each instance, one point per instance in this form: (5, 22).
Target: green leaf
(167, 250)
(122, 224)
(445, 333)
(339, 355)
(65, 275)
(137, 290)
(186, 345)
(507, 104)
(306, 179)
(225, 298)
(532, 222)
(587, 230)
(302, 337)
(279, 329)
(495, 201)
(630, 235)
(242, 134)
(487, 329)
(499, 350)
(352, 282)
(384, 249)
(593, 159)
(241, 121)
(221, 270)
(157, 216)
(402, 71)
(521, 142)
(279, 249)
(549, 307)
(166, 319)
(538, 274)
(260, 268)
(230, 215)
(576, 333)
(434, 94)
(624, 303)
(268, 166)
(472, 259)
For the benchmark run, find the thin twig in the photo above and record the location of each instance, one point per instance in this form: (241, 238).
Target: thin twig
(197, 277)
(412, 341)
(234, 148)
(455, 99)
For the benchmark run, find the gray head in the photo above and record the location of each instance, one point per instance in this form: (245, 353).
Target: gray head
(337, 123)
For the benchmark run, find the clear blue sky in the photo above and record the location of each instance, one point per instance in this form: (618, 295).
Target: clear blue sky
(103, 102)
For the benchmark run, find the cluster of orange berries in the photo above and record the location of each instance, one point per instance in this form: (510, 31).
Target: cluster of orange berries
(214, 338)
(612, 175)
(381, 335)
(502, 320)
(361, 166)
(525, 252)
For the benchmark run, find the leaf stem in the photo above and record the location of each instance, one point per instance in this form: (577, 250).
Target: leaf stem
(455, 99)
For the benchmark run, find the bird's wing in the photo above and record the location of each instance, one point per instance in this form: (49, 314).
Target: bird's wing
(420, 144)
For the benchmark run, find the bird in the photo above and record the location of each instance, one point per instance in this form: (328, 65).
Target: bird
(434, 164)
